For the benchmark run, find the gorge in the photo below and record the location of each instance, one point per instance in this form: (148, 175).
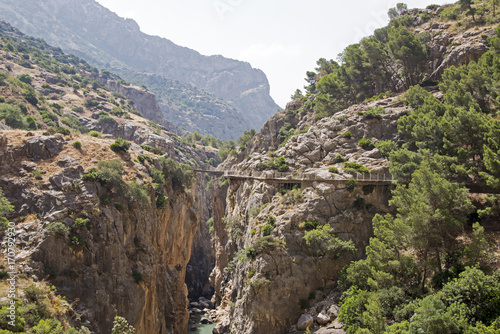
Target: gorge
(365, 206)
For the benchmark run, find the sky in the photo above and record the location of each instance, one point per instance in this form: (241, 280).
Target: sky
(283, 38)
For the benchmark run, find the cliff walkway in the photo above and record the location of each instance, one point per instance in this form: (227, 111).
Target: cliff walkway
(297, 178)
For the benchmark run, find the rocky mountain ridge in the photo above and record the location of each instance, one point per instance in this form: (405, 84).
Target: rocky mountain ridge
(267, 292)
(101, 37)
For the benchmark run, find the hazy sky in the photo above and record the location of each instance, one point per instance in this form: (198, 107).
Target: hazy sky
(284, 38)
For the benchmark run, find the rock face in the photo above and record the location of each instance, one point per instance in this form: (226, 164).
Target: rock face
(202, 256)
(94, 33)
(144, 101)
(448, 48)
(265, 277)
(130, 259)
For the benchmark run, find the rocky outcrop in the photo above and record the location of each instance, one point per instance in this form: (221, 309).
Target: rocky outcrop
(265, 278)
(94, 33)
(128, 259)
(144, 101)
(449, 48)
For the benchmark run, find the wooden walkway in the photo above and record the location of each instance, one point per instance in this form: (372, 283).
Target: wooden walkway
(297, 177)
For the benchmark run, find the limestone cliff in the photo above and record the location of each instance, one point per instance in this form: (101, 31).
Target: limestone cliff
(264, 280)
(130, 259)
(144, 101)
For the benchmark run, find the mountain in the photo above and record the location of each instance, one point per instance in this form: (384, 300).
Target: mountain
(105, 40)
(76, 162)
(369, 205)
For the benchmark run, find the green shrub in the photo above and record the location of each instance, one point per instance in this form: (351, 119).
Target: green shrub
(267, 229)
(354, 167)
(12, 115)
(347, 135)
(62, 130)
(89, 103)
(48, 117)
(324, 240)
(38, 174)
(77, 109)
(106, 121)
(283, 168)
(254, 211)
(120, 145)
(81, 222)
(271, 220)
(181, 174)
(359, 203)
(251, 273)
(143, 158)
(77, 145)
(5, 322)
(26, 78)
(262, 245)
(351, 184)
(31, 123)
(157, 176)
(137, 193)
(386, 147)
(333, 170)
(77, 240)
(450, 13)
(210, 224)
(57, 229)
(120, 325)
(293, 196)
(30, 96)
(109, 174)
(366, 144)
(338, 158)
(94, 134)
(309, 225)
(368, 189)
(374, 113)
(74, 123)
(4, 274)
(154, 150)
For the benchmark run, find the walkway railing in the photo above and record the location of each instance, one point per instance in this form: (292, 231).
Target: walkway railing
(280, 176)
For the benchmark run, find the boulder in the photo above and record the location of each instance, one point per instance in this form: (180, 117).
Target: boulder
(306, 320)
(44, 147)
(333, 311)
(323, 318)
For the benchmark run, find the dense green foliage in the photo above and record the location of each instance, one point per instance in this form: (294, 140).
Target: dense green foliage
(323, 239)
(38, 311)
(5, 208)
(182, 175)
(120, 145)
(391, 60)
(420, 275)
(109, 175)
(366, 70)
(121, 326)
